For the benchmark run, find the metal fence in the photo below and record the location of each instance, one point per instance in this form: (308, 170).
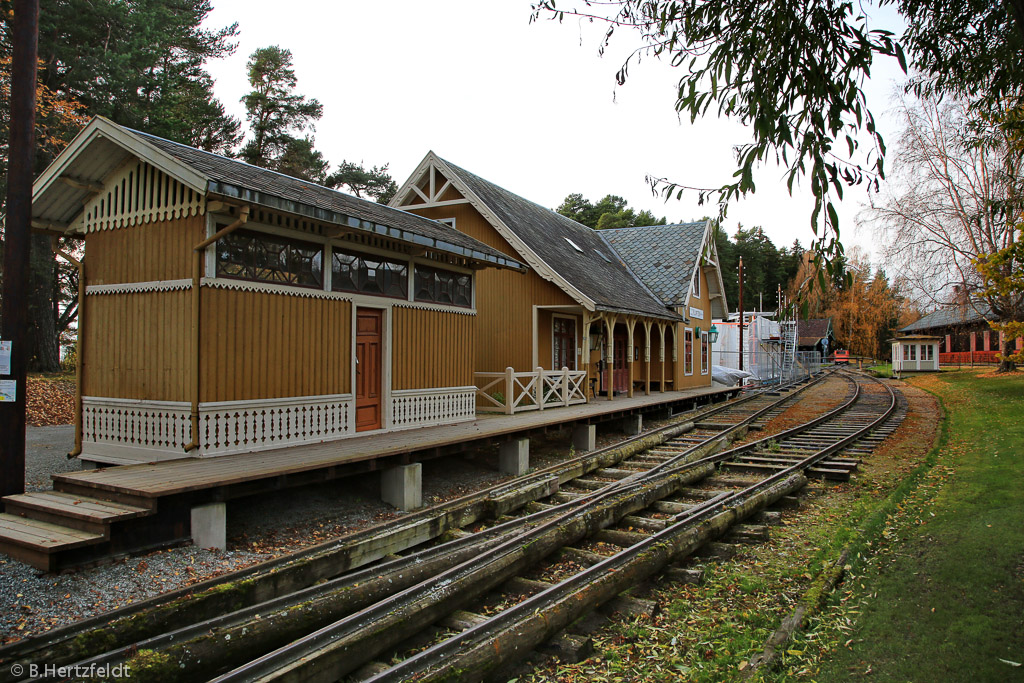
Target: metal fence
(766, 364)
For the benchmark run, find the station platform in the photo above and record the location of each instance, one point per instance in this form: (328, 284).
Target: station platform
(122, 509)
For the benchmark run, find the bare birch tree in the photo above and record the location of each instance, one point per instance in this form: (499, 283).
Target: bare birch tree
(953, 197)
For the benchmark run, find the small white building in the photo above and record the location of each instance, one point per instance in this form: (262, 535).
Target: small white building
(915, 353)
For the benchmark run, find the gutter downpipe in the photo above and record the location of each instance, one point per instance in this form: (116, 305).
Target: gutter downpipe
(198, 252)
(79, 346)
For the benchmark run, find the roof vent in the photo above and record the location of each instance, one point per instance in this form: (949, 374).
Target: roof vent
(601, 254)
(574, 245)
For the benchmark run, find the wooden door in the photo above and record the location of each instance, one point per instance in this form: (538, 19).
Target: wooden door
(621, 378)
(563, 343)
(620, 374)
(369, 352)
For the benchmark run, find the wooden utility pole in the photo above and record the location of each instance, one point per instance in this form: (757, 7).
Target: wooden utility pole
(17, 228)
(741, 313)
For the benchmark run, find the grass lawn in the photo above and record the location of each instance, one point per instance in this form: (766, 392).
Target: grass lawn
(934, 586)
(881, 370)
(942, 599)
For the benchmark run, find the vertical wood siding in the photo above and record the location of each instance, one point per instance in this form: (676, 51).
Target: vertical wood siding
(259, 345)
(504, 298)
(432, 349)
(143, 253)
(138, 345)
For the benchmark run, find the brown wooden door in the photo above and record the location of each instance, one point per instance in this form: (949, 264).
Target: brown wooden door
(563, 343)
(621, 377)
(369, 347)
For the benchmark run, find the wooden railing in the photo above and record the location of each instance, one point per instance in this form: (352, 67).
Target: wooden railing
(511, 392)
(968, 357)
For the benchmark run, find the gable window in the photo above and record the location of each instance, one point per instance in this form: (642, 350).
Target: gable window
(704, 346)
(687, 351)
(368, 274)
(251, 255)
(438, 286)
(696, 283)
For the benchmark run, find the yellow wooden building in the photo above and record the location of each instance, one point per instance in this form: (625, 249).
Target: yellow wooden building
(597, 313)
(227, 308)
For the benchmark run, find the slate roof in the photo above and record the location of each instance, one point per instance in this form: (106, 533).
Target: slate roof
(810, 332)
(233, 178)
(595, 269)
(948, 317)
(663, 256)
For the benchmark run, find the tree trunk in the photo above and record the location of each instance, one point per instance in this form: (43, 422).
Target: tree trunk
(1005, 364)
(43, 347)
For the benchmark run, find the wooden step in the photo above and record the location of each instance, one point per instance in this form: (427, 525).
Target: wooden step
(76, 512)
(37, 543)
(111, 494)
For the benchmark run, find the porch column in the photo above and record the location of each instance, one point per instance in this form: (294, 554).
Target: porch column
(630, 351)
(609, 361)
(661, 354)
(585, 354)
(647, 358)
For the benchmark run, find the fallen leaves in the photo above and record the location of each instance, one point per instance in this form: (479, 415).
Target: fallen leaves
(50, 402)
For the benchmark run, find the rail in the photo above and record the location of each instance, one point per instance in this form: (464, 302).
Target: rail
(513, 392)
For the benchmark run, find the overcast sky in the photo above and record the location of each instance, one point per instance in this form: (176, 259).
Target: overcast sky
(531, 107)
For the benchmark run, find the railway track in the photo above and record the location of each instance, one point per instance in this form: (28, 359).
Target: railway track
(328, 620)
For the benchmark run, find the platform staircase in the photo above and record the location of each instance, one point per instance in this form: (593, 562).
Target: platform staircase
(68, 525)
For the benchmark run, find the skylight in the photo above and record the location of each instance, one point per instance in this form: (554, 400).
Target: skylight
(574, 245)
(601, 254)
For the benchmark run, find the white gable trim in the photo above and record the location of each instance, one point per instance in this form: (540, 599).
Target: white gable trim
(100, 127)
(532, 259)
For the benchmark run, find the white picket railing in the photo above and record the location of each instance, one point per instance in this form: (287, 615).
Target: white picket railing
(510, 392)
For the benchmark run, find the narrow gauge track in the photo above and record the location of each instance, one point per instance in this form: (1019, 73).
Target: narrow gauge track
(170, 625)
(500, 630)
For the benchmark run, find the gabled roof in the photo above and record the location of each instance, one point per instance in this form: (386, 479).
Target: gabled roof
(103, 146)
(810, 332)
(559, 249)
(948, 317)
(665, 257)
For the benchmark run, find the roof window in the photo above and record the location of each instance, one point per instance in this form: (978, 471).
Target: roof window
(574, 245)
(601, 254)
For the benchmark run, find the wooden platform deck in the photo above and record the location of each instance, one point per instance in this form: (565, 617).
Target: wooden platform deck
(95, 514)
(174, 477)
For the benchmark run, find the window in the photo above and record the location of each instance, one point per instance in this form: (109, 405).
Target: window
(913, 351)
(447, 221)
(438, 286)
(696, 283)
(250, 255)
(927, 352)
(687, 351)
(906, 352)
(574, 245)
(704, 346)
(351, 272)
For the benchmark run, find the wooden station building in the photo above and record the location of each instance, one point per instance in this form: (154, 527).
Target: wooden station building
(598, 313)
(229, 309)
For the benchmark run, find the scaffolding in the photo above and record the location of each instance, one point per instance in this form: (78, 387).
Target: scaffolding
(769, 347)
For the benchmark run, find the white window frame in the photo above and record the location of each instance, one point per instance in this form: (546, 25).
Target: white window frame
(704, 343)
(696, 283)
(688, 332)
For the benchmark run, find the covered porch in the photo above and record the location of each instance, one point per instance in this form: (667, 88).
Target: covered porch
(580, 356)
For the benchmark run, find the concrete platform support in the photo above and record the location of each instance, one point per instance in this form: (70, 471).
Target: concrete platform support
(660, 414)
(514, 457)
(402, 486)
(584, 438)
(210, 525)
(633, 424)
